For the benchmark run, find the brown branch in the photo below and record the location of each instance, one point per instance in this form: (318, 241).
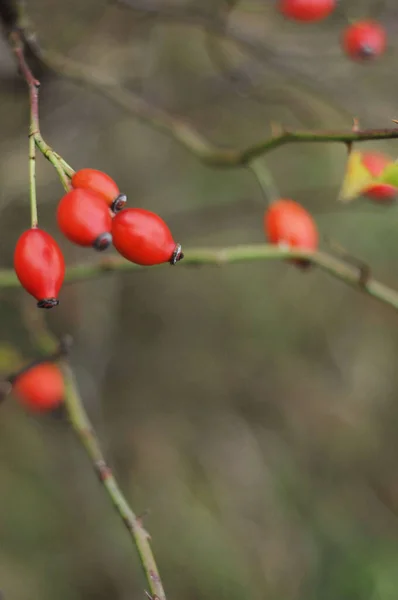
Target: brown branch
(18, 45)
(182, 130)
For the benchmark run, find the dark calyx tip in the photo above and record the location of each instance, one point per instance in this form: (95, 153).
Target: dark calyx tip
(102, 242)
(302, 263)
(118, 203)
(177, 255)
(48, 303)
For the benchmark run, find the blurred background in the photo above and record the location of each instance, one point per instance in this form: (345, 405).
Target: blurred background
(252, 409)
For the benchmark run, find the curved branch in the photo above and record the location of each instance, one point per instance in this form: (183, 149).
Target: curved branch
(181, 129)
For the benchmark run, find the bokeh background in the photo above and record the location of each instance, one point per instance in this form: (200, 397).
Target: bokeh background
(252, 409)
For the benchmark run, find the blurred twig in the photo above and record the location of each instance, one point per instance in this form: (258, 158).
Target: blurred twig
(183, 131)
(86, 434)
(337, 267)
(84, 430)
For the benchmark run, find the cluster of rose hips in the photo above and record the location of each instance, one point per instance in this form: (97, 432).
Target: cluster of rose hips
(91, 214)
(361, 40)
(142, 237)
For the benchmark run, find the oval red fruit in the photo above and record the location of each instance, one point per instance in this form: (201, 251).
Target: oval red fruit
(381, 192)
(144, 238)
(101, 184)
(41, 387)
(364, 40)
(84, 218)
(40, 266)
(287, 223)
(307, 10)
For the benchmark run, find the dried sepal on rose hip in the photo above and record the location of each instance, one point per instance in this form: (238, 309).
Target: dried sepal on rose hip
(40, 387)
(287, 223)
(103, 185)
(84, 218)
(364, 40)
(40, 267)
(142, 237)
(306, 10)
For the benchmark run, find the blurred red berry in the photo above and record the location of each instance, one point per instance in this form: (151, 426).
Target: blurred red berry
(287, 223)
(375, 162)
(40, 266)
(40, 388)
(384, 192)
(364, 40)
(307, 10)
(102, 184)
(144, 238)
(84, 218)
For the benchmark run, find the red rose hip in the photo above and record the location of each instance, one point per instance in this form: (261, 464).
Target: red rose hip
(287, 223)
(101, 184)
(364, 40)
(381, 192)
(41, 387)
(307, 10)
(376, 162)
(40, 266)
(84, 218)
(144, 238)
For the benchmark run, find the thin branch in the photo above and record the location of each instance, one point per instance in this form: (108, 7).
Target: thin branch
(186, 134)
(80, 422)
(182, 130)
(33, 85)
(87, 437)
(18, 46)
(336, 267)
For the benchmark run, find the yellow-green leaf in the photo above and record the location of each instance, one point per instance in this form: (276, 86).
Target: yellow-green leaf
(356, 179)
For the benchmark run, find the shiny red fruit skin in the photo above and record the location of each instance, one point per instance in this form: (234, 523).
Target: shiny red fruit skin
(40, 388)
(39, 264)
(381, 192)
(307, 10)
(142, 237)
(376, 162)
(287, 223)
(83, 217)
(364, 40)
(98, 182)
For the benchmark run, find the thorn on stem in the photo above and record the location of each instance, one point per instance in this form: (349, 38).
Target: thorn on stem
(104, 472)
(363, 268)
(142, 516)
(150, 597)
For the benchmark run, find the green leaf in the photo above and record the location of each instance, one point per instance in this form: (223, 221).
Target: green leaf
(390, 175)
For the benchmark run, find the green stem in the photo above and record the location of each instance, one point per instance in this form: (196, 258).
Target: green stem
(337, 267)
(32, 181)
(33, 85)
(66, 167)
(85, 432)
(52, 157)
